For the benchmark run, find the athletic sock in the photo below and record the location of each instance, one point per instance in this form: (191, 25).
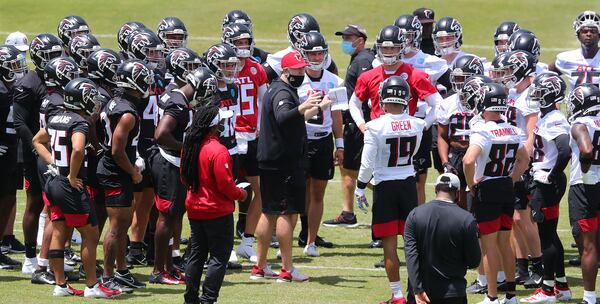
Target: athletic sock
(396, 289)
(482, 279)
(589, 296)
(500, 277)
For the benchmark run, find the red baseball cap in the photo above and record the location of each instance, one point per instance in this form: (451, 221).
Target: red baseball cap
(292, 60)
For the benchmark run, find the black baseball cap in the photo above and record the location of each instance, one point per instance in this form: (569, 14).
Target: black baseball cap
(353, 29)
(425, 15)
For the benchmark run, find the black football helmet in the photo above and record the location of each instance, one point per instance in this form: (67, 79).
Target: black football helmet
(299, 25)
(134, 74)
(583, 100)
(524, 40)
(586, 19)
(237, 17)
(222, 60)
(413, 31)
(59, 71)
(70, 27)
(81, 47)
(146, 46)
(390, 36)
(237, 31)
(82, 94)
(103, 64)
(43, 48)
(471, 95)
(172, 32)
(447, 27)
(182, 61)
(512, 67)
(204, 83)
(12, 63)
(503, 32)
(494, 97)
(463, 68)
(547, 89)
(125, 31)
(394, 90)
(313, 42)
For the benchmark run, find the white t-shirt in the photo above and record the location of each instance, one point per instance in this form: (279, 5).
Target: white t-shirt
(274, 60)
(390, 143)
(577, 68)
(593, 126)
(519, 107)
(547, 128)
(452, 113)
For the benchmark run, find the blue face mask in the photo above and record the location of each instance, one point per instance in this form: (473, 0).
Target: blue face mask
(347, 47)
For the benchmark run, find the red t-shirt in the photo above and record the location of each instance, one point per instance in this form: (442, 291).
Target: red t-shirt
(250, 78)
(367, 87)
(217, 192)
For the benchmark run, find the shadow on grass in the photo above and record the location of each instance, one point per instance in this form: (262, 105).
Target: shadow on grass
(10, 278)
(339, 281)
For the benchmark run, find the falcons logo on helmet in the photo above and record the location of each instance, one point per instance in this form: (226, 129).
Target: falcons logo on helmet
(4, 54)
(88, 92)
(552, 84)
(416, 24)
(519, 59)
(296, 24)
(178, 56)
(210, 85)
(126, 29)
(139, 41)
(455, 26)
(36, 44)
(105, 60)
(65, 69)
(140, 71)
(577, 95)
(475, 65)
(228, 32)
(214, 54)
(163, 25)
(302, 42)
(65, 25)
(428, 13)
(78, 42)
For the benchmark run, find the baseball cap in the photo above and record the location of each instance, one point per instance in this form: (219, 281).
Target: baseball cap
(448, 179)
(19, 40)
(292, 60)
(353, 29)
(425, 15)
(223, 114)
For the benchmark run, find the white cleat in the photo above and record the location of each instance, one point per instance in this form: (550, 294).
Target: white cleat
(311, 250)
(29, 266)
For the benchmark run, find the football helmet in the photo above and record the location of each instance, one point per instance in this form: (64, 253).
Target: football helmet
(134, 74)
(70, 27)
(82, 94)
(299, 25)
(471, 95)
(501, 35)
(146, 46)
(390, 37)
(12, 63)
(547, 89)
(172, 32)
(463, 68)
(583, 100)
(182, 61)
(313, 42)
(103, 64)
(81, 47)
(222, 60)
(494, 97)
(43, 48)
(394, 90)
(413, 31)
(447, 36)
(204, 83)
(59, 71)
(234, 32)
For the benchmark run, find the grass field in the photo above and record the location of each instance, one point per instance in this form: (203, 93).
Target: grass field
(344, 274)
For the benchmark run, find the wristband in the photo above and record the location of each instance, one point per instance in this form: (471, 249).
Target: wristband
(339, 143)
(361, 185)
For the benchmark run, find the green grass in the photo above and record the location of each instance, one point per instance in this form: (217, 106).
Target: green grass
(344, 274)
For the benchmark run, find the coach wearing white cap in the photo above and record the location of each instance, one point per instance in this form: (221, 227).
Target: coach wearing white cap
(440, 243)
(19, 40)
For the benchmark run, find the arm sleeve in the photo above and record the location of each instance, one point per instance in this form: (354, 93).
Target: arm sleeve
(21, 115)
(271, 74)
(222, 166)
(445, 80)
(285, 110)
(411, 253)
(4, 112)
(355, 107)
(368, 157)
(259, 99)
(472, 249)
(564, 154)
(433, 100)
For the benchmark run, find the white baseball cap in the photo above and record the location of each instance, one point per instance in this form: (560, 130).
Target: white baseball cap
(223, 114)
(19, 40)
(449, 179)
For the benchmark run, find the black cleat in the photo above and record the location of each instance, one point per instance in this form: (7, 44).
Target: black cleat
(43, 277)
(231, 265)
(136, 259)
(534, 281)
(376, 244)
(128, 280)
(7, 263)
(576, 261)
(12, 244)
(110, 283)
(380, 264)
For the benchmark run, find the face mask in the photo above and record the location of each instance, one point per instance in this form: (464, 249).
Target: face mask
(146, 94)
(152, 65)
(295, 81)
(347, 48)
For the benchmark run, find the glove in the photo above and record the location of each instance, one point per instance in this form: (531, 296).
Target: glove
(543, 177)
(361, 200)
(52, 170)
(590, 178)
(448, 168)
(3, 150)
(140, 164)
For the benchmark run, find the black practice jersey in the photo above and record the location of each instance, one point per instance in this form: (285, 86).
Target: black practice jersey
(51, 105)
(228, 100)
(175, 104)
(8, 135)
(61, 128)
(28, 94)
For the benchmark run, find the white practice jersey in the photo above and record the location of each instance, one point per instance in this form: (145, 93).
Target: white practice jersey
(548, 128)
(320, 125)
(577, 68)
(434, 66)
(519, 107)
(452, 113)
(499, 143)
(540, 68)
(274, 60)
(390, 143)
(593, 126)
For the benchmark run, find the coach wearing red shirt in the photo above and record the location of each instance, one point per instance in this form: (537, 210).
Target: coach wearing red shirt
(206, 170)
(390, 46)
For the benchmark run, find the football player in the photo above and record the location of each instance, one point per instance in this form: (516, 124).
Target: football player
(125, 31)
(525, 40)
(390, 143)
(584, 104)
(299, 25)
(28, 94)
(69, 27)
(551, 155)
(495, 159)
(172, 32)
(12, 68)
(80, 49)
(118, 169)
(61, 144)
(581, 65)
(323, 130)
(252, 84)
(447, 39)
(502, 34)
(240, 17)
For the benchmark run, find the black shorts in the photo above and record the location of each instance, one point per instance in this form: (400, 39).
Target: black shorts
(493, 205)
(320, 158)
(283, 191)
(422, 158)
(392, 202)
(522, 194)
(584, 207)
(455, 158)
(353, 146)
(68, 204)
(147, 181)
(437, 162)
(546, 198)
(32, 177)
(249, 161)
(9, 177)
(169, 192)
(118, 187)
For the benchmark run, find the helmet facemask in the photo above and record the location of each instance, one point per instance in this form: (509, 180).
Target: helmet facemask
(445, 43)
(228, 69)
(16, 68)
(390, 53)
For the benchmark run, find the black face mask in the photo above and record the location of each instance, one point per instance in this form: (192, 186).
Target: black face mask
(295, 81)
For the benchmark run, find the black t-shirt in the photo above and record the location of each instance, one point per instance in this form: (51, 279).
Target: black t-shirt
(52, 104)
(60, 128)
(440, 243)
(28, 94)
(8, 134)
(227, 99)
(174, 104)
(359, 63)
